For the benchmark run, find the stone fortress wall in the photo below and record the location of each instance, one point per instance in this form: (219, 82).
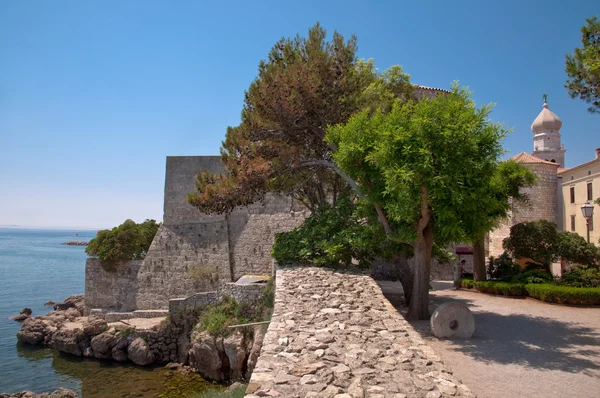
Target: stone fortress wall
(194, 252)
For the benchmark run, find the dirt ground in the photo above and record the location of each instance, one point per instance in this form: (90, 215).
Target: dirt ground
(521, 347)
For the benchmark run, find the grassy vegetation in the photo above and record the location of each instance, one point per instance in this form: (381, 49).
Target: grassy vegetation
(201, 273)
(217, 318)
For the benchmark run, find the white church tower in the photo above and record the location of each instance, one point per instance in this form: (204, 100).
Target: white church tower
(546, 137)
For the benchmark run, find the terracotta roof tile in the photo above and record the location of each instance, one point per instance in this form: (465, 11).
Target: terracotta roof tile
(530, 159)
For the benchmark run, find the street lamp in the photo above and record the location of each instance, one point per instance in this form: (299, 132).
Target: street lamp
(588, 211)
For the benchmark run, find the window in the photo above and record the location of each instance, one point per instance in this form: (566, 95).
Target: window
(572, 223)
(589, 191)
(572, 194)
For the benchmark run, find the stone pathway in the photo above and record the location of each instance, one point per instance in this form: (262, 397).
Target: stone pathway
(335, 335)
(521, 347)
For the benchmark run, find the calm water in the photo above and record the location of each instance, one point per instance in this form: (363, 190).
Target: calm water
(35, 268)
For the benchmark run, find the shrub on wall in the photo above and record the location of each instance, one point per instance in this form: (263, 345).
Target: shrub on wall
(128, 241)
(217, 318)
(201, 273)
(331, 236)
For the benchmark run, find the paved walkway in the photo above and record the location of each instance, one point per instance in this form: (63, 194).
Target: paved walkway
(521, 347)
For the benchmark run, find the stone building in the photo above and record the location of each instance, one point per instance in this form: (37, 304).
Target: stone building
(559, 193)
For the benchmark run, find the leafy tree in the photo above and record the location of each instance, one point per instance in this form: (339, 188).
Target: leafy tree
(128, 241)
(303, 86)
(544, 244)
(424, 167)
(583, 66)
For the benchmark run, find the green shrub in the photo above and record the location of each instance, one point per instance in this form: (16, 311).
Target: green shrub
(128, 241)
(501, 288)
(564, 294)
(331, 236)
(533, 276)
(502, 268)
(466, 283)
(581, 276)
(217, 317)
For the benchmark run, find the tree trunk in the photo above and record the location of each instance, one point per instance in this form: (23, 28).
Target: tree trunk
(419, 303)
(479, 272)
(406, 277)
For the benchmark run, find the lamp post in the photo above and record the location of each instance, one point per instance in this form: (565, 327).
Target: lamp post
(588, 211)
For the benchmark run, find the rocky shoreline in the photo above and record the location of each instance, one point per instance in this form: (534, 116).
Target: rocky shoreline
(144, 342)
(60, 393)
(76, 243)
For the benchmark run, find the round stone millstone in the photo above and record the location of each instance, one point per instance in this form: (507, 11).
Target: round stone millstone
(452, 320)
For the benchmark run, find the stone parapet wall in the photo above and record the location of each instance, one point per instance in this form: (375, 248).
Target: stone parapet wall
(249, 293)
(334, 334)
(111, 290)
(193, 301)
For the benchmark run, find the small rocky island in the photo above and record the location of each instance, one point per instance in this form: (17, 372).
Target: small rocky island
(76, 243)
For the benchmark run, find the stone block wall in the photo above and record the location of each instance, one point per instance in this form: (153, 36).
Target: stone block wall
(168, 269)
(111, 290)
(194, 252)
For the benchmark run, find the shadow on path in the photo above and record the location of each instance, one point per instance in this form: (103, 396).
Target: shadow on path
(531, 341)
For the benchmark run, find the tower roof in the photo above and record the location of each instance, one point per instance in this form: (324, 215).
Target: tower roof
(530, 159)
(546, 121)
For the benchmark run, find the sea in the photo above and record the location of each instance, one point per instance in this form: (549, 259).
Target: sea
(35, 267)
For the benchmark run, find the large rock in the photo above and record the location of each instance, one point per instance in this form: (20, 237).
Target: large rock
(33, 331)
(60, 393)
(76, 301)
(139, 352)
(103, 344)
(93, 326)
(452, 320)
(71, 341)
(119, 351)
(206, 358)
(235, 349)
(254, 347)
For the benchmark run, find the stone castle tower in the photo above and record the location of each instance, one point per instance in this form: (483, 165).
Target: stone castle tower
(547, 157)
(546, 137)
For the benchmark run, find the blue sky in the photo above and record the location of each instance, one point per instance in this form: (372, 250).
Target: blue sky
(95, 94)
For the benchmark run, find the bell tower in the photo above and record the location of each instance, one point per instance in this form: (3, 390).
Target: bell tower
(546, 136)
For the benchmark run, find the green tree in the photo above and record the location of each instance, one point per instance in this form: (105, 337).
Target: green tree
(128, 241)
(424, 167)
(303, 86)
(544, 244)
(583, 66)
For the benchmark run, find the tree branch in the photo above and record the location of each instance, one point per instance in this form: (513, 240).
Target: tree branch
(334, 167)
